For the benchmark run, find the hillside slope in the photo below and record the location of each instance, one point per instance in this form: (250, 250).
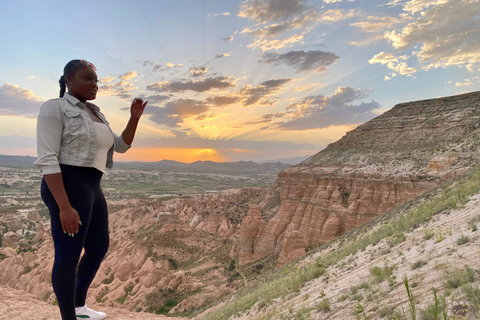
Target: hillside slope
(433, 242)
(381, 164)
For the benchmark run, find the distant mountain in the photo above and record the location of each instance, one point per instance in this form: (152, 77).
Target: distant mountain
(241, 167)
(292, 161)
(16, 161)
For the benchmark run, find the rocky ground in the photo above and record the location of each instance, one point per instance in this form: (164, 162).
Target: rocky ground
(442, 253)
(19, 305)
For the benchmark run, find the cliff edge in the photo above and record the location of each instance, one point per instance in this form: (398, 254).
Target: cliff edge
(381, 164)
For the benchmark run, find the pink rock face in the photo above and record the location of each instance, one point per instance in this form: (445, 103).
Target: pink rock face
(321, 208)
(293, 247)
(249, 229)
(380, 165)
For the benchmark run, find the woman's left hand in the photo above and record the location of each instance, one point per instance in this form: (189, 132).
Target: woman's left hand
(136, 110)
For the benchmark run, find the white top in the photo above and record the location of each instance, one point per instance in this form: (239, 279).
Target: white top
(104, 143)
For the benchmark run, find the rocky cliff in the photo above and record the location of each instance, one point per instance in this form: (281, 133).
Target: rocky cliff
(381, 164)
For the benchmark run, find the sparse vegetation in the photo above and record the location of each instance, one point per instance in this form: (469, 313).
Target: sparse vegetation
(393, 227)
(323, 305)
(462, 240)
(418, 264)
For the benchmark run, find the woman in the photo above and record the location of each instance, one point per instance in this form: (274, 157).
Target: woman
(75, 144)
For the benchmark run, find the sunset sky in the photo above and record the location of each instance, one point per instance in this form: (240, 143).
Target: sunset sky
(235, 80)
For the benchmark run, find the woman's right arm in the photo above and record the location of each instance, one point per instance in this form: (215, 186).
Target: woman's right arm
(49, 138)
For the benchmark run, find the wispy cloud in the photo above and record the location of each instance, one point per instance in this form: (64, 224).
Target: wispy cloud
(321, 111)
(222, 55)
(128, 75)
(377, 24)
(260, 94)
(335, 15)
(175, 112)
(198, 71)
(262, 11)
(15, 100)
(228, 39)
(121, 87)
(397, 64)
(276, 44)
(205, 84)
(274, 20)
(302, 61)
(219, 14)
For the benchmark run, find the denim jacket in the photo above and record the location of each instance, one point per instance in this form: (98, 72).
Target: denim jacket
(66, 134)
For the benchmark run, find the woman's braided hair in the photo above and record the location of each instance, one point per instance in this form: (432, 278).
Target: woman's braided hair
(70, 69)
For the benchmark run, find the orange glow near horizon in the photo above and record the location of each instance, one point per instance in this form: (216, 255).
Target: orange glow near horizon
(186, 155)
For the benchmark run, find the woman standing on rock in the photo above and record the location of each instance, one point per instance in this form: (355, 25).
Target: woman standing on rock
(75, 144)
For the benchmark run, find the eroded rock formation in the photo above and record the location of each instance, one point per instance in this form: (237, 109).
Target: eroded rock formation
(383, 163)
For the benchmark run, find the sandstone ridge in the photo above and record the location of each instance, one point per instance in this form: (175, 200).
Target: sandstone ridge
(381, 164)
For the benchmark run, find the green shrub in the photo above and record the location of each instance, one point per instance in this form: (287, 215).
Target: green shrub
(418, 264)
(323, 305)
(473, 296)
(462, 240)
(458, 277)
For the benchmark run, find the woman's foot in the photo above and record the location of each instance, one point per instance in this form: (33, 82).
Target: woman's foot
(87, 313)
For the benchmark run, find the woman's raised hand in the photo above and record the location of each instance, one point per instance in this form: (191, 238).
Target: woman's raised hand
(136, 110)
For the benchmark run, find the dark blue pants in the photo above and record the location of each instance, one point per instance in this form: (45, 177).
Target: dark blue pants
(71, 278)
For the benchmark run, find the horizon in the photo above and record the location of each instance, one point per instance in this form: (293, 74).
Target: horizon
(258, 162)
(238, 80)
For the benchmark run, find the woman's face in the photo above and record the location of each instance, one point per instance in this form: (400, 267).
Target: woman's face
(83, 84)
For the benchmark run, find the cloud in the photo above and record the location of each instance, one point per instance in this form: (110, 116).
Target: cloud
(224, 100)
(301, 60)
(15, 100)
(197, 86)
(155, 65)
(468, 82)
(448, 32)
(218, 56)
(128, 75)
(334, 15)
(277, 29)
(376, 24)
(175, 112)
(172, 65)
(121, 88)
(218, 14)
(307, 87)
(274, 19)
(415, 6)
(276, 44)
(335, 1)
(157, 98)
(265, 11)
(260, 94)
(198, 71)
(107, 79)
(228, 39)
(321, 111)
(398, 64)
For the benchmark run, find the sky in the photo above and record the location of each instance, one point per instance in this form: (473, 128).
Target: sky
(235, 80)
